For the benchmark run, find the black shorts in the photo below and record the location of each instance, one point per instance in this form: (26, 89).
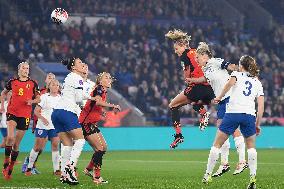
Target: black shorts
(89, 129)
(22, 122)
(196, 93)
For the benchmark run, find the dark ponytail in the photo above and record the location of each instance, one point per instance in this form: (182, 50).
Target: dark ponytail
(69, 63)
(249, 64)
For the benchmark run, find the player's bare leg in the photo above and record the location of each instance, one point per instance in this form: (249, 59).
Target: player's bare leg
(76, 149)
(39, 145)
(99, 145)
(11, 126)
(214, 155)
(55, 155)
(241, 148)
(252, 160)
(224, 152)
(174, 106)
(65, 155)
(15, 152)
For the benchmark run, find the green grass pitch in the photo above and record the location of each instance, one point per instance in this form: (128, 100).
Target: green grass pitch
(173, 169)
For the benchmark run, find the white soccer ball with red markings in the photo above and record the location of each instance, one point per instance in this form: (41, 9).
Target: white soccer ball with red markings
(59, 16)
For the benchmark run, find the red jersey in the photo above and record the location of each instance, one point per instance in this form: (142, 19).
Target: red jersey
(190, 67)
(92, 113)
(22, 91)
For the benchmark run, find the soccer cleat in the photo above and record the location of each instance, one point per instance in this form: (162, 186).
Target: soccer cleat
(88, 172)
(178, 139)
(35, 171)
(57, 173)
(204, 121)
(221, 170)
(100, 180)
(207, 178)
(8, 173)
(67, 180)
(71, 175)
(240, 168)
(25, 164)
(252, 183)
(28, 172)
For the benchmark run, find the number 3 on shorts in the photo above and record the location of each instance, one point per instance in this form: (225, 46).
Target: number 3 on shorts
(247, 92)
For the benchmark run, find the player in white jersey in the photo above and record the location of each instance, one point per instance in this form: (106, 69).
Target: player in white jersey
(44, 127)
(3, 124)
(65, 119)
(216, 73)
(88, 85)
(241, 113)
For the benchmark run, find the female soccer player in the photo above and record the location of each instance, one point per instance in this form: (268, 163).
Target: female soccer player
(65, 120)
(216, 73)
(90, 115)
(3, 124)
(25, 92)
(44, 128)
(194, 92)
(49, 77)
(241, 110)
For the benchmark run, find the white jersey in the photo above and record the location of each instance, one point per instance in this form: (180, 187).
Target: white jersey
(244, 93)
(3, 123)
(72, 93)
(47, 104)
(217, 75)
(88, 87)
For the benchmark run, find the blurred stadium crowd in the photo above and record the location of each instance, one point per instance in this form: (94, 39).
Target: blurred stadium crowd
(148, 72)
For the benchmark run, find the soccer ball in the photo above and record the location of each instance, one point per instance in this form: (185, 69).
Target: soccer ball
(59, 16)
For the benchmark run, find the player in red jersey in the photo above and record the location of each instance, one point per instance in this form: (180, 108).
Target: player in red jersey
(89, 117)
(194, 93)
(25, 92)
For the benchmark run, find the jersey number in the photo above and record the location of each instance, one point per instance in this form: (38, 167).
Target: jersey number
(247, 92)
(21, 92)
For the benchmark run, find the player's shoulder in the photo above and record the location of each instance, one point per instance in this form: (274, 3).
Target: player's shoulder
(33, 81)
(74, 78)
(13, 79)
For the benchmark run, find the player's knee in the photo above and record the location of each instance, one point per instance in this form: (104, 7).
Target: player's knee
(104, 148)
(10, 140)
(37, 148)
(16, 147)
(54, 147)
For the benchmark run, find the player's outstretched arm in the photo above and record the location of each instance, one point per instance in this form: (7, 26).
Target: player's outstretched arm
(37, 112)
(260, 110)
(100, 102)
(195, 80)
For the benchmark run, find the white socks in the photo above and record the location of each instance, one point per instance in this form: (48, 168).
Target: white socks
(76, 151)
(65, 156)
(252, 161)
(241, 147)
(212, 159)
(32, 158)
(55, 160)
(225, 150)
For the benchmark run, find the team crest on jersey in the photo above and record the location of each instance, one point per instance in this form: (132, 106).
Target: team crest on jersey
(28, 86)
(39, 132)
(81, 82)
